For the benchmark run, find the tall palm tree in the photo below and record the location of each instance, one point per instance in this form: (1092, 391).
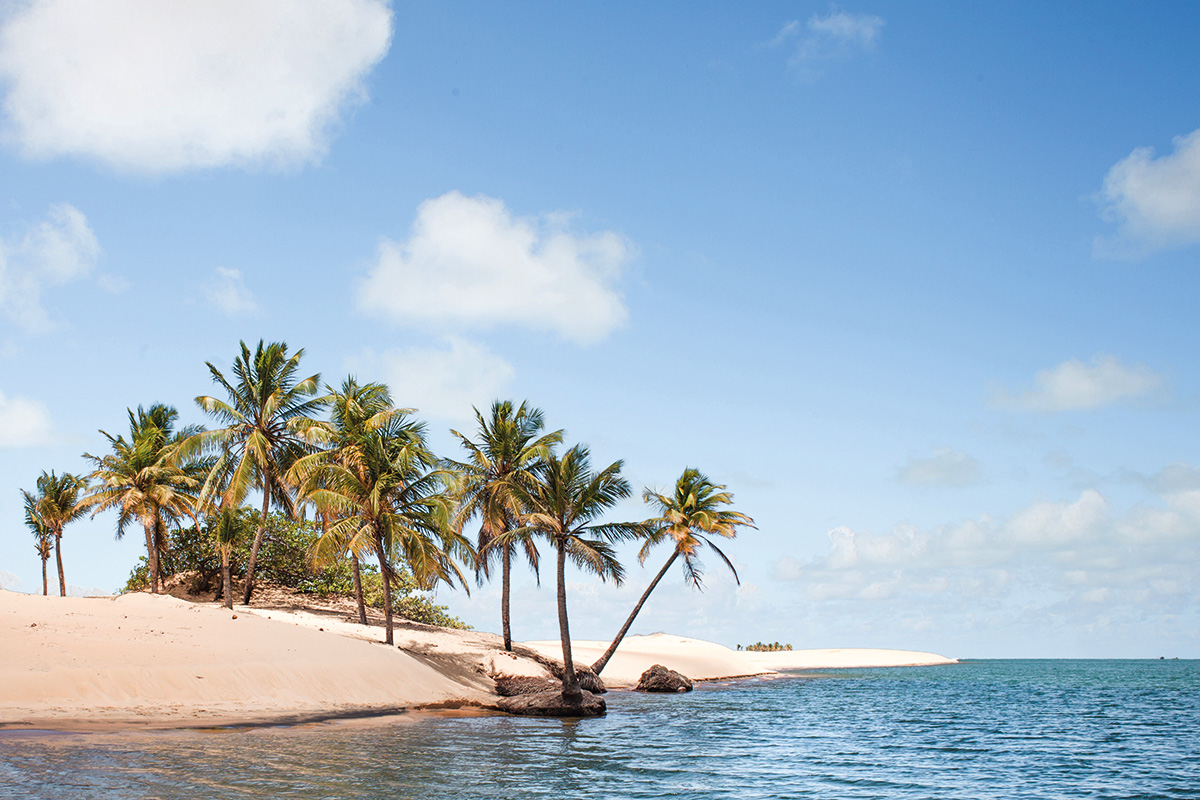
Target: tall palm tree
(382, 490)
(562, 504)
(145, 479)
(259, 441)
(686, 518)
(59, 500)
(355, 410)
(44, 539)
(505, 453)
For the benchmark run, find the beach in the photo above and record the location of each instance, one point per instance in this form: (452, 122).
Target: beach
(145, 660)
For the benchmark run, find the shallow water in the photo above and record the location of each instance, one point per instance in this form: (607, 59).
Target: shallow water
(987, 729)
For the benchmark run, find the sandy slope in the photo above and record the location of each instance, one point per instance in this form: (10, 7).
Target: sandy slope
(158, 660)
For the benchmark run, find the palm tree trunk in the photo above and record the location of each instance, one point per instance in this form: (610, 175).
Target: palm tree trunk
(570, 680)
(385, 572)
(506, 560)
(227, 577)
(152, 555)
(358, 594)
(258, 537)
(45, 583)
(612, 648)
(62, 581)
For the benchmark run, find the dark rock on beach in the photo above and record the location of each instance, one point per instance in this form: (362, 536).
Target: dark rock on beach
(553, 704)
(513, 686)
(660, 679)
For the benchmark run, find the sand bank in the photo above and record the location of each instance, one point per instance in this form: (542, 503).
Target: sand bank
(138, 659)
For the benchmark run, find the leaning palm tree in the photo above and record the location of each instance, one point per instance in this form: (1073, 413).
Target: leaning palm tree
(145, 480)
(382, 490)
(563, 504)
(686, 518)
(355, 410)
(259, 442)
(504, 454)
(44, 539)
(59, 500)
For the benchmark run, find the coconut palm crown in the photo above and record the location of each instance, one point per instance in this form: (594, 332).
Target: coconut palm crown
(59, 500)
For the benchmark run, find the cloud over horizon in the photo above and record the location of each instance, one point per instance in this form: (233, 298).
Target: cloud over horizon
(166, 87)
(1154, 200)
(469, 262)
(1076, 386)
(59, 250)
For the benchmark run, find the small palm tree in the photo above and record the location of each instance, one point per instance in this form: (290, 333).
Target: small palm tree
(382, 490)
(226, 531)
(686, 519)
(259, 441)
(505, 453)
(58, 501)
(144, 478)
(563, 504)
(43, 537)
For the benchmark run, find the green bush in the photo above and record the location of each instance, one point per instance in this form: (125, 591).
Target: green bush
(283, 560)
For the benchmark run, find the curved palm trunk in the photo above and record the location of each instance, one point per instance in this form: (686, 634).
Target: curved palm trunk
(506, 561)
(358, 594)
(258, 537)
(62, 581)
(385, 570)
(612, 648)
(570, 680)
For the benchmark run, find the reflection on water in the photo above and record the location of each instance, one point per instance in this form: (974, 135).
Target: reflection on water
(1013, 729)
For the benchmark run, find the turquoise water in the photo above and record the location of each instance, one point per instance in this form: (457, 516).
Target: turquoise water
(986, 729)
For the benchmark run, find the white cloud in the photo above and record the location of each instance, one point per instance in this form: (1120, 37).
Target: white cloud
(1155, 201)
(227, 293)
(1076, 386)
(946, 467)
(169, 86)
(442, 382)
(56, 251)
(470, 263)
(24, 422)
(10, 582)
(835, 36)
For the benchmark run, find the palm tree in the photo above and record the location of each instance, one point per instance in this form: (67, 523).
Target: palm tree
(687, 518)
(226, 535)
(259, 441)
(562, 504)
(382, 491)
(144, 478)
(59, 500)
(505, 454)
(355, 410)
(44, 538)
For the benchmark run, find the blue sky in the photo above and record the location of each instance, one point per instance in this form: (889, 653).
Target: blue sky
(915, 281)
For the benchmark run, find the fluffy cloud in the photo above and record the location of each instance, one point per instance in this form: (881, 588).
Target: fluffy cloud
(1076, 386)
(57, 251)
(946, 467)
(838, 35)
(227, 293)
(23, 422)
(470, 263)
(1156, 200)
(162, 87)
(441, 382)
(10, 582)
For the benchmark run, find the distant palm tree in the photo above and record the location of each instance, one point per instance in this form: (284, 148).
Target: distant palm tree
(259, 441)
(226, 530)
(144, 478)
(43, 536)
(58, 501)
(686, 519)
(563, 504)
(382, 490)
(504, 454)
(355, 410)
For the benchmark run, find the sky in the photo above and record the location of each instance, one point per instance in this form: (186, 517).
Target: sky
(916, 282)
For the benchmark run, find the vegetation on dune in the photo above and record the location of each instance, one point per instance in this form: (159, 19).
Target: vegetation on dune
(390, 514)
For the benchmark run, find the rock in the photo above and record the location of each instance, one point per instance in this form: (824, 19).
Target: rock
(660, 679)
(588, 680)
(514, 685)
(552, 703)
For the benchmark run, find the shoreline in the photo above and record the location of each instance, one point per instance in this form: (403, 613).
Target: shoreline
(155, 662)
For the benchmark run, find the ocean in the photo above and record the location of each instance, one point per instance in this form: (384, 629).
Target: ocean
(979, 729)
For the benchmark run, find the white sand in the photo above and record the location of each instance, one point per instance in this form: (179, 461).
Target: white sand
(81, 663)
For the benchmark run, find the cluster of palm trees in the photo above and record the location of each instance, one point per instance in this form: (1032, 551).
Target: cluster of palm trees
(377, 489)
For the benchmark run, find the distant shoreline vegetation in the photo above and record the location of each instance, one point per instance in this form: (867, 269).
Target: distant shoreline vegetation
(759, 647)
